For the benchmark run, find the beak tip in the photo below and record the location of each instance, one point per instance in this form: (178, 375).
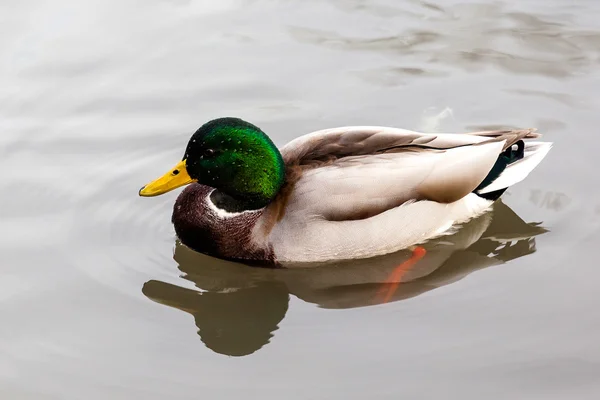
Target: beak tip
(141, 190)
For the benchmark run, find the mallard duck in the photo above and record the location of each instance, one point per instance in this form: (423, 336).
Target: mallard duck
(336, 194)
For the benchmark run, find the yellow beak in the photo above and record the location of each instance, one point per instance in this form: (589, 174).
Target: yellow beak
(177, 177)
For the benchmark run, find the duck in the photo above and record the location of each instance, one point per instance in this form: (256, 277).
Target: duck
(344, 193)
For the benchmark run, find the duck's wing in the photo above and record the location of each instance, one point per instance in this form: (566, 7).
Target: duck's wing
(361, 140)
(350, 173)
(351, 188)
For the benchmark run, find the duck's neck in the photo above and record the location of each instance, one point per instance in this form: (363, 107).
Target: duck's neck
(232, 204)
(208, 229)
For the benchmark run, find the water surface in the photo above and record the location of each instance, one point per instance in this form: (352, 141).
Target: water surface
(99, 301)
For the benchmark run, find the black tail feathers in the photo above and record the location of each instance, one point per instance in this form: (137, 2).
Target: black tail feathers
(507, 157)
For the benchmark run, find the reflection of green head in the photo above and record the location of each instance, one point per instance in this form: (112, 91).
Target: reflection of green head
(234, 323)
(241, 322)
(238, 159)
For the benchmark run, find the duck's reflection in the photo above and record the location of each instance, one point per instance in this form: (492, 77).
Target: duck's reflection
(236, 322)
(240, 306)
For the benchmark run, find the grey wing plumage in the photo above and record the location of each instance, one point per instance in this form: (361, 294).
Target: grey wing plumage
(350, 173)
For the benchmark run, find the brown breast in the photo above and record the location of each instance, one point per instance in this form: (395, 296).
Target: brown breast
(202, 229)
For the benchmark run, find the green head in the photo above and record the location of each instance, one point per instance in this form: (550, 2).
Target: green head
(231, 155)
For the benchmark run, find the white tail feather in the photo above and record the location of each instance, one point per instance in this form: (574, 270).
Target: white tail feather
(533, 154)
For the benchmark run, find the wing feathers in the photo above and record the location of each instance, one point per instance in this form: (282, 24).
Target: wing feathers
(459, 172)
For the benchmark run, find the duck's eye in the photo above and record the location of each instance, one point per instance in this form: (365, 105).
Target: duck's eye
(209, 152)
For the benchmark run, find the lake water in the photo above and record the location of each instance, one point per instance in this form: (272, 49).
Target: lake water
(97, 299)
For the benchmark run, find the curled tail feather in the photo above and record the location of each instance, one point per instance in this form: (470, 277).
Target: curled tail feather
(513, 165)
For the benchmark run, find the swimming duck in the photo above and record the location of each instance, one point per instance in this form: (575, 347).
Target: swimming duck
(336, 194)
